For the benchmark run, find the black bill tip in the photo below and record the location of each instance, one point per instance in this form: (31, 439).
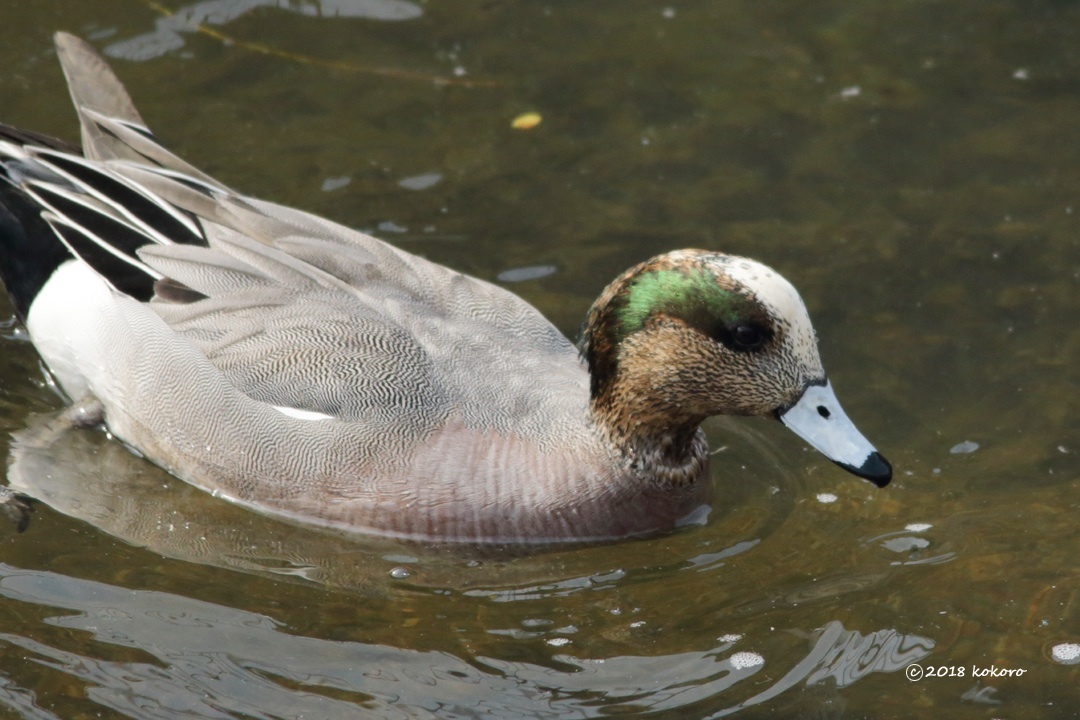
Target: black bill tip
(875, 468)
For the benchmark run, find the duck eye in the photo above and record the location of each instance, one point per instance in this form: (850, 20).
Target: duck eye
(748, 337)
(741, 335)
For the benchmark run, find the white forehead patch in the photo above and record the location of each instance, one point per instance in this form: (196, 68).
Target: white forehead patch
(781, 300)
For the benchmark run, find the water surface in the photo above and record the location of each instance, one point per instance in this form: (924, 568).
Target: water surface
(914, 169)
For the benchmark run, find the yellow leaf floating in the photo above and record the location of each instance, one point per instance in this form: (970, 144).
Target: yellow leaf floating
(526, 121)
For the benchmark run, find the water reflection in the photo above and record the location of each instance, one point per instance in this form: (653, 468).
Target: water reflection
(169, 30)
(911, 546)
(542, 659)
(845, 656)
(89, 476)
(196, 658)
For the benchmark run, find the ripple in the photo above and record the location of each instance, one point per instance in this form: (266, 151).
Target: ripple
(223, 662)
(167, 34)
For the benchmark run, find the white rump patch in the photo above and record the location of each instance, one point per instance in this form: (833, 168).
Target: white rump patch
(71, 314)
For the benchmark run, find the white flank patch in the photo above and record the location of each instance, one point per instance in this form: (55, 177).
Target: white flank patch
(302, 414)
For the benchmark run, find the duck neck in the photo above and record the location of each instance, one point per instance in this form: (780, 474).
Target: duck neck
(658, 436)
(672, 452)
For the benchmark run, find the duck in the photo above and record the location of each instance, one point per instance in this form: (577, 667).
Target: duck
(309, 371)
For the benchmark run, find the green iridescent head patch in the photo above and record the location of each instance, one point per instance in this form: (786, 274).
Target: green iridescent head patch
(689, 293)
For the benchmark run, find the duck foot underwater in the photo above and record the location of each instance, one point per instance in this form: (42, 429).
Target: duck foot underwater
(301, 368)
(16, 508)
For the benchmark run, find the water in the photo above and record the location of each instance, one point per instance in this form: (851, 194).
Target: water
(914, 168)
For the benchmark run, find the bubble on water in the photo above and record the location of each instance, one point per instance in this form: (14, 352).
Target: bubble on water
(826, 498)
(1066, 653)
(391, 227)
(558, 642)
(400, 573)
(521, 274)
(335, 183)
(421, 182)
(918, 527)
(744, 660)
(730, 638)
(964, 448)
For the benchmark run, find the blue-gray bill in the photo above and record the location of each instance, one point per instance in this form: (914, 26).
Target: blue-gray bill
(819, 420)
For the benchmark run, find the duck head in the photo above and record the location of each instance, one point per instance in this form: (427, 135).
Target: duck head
(691, 334)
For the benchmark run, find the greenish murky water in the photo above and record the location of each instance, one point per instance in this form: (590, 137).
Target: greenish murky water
(914, 168)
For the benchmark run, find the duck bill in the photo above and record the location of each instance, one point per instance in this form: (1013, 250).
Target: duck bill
(818, 419)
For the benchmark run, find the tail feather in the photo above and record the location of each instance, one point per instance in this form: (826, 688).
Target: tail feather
(20, 136)
(92, 219)
(112, 128)
(95, 88)
(149, 213)
(58, 201)
(123, 273)
(140, 146)
(29, 250)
